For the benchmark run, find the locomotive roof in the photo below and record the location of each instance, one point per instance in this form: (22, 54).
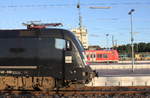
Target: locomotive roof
(48, 32)
(34, 32)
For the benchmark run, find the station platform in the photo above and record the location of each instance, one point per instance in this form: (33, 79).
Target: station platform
(121, 65)
(122, 74)
(121, 81)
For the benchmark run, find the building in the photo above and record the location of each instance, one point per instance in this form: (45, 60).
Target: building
(94, 47)
(82, 35)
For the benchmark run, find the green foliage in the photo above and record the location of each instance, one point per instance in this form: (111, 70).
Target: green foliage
(138, 47)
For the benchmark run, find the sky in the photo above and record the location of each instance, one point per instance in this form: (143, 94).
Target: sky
(99, 22)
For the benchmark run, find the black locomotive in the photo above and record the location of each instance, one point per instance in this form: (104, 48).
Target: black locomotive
(41, 58)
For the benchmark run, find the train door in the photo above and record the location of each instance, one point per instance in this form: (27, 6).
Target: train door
(93, 57)
(50, 55)
(58, 52)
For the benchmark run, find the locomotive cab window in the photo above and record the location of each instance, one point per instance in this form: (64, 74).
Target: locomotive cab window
(60, 43)
(63, 44)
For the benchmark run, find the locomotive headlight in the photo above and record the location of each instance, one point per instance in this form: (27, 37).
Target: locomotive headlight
(71, 72)
(83, 74)
(75, 71)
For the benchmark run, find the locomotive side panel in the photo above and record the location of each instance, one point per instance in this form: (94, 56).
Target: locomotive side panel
(34, 56)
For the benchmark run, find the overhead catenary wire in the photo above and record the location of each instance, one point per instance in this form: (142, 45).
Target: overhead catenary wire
(34, 6)
(66, 5)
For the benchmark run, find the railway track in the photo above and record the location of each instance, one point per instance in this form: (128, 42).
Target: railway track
(85, 91)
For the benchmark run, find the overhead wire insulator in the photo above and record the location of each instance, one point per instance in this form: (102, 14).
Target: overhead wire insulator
(78, 5)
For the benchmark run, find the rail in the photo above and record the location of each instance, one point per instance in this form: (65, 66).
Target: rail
(85, 91)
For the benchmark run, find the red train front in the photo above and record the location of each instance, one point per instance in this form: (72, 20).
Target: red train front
(98, 56)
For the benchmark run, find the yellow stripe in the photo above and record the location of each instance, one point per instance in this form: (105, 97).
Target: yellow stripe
(18, 67)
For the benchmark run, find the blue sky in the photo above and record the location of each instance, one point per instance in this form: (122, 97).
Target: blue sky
(99, 22)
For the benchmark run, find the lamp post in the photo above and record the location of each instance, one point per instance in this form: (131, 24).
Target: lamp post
(132, 39)
(113, 45)
(107, 41)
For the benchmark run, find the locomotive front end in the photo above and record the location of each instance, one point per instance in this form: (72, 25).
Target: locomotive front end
(78, 71)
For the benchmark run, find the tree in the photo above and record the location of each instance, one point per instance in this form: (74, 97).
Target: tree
(138, 47)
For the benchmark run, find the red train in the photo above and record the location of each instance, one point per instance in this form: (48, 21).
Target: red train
(99, 56)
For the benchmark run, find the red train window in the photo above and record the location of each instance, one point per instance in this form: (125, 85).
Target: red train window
(87, 56)
(105, 56)
(99, 55)
(91, 56)
(94, 56)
